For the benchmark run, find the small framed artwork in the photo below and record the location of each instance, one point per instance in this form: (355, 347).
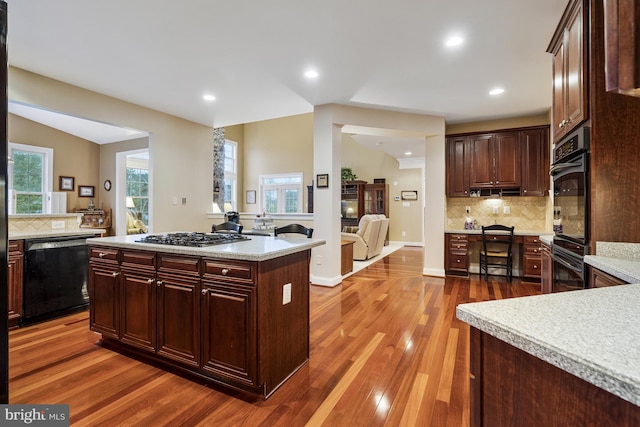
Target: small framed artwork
(85, 190)
(66, 183)
(251, 197)
(322, 180)
(409, 195)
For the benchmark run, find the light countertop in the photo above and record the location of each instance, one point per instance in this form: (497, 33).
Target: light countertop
(592, 334)
(257, 248)
(619, 259)
(479, 231)
(20, 235)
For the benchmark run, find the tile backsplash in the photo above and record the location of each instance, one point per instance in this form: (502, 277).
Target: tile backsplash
(525, 213)
(29, 223)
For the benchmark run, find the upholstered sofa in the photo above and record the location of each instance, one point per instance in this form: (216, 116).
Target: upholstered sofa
(369, 238)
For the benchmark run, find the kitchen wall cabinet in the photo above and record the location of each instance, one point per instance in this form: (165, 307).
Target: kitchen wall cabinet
(600, 279)
(14, 281)
(457, 164)
(569, 88)
(622, 46)
(514, 161)
(495, 160)
(546, 278)
(535, 162)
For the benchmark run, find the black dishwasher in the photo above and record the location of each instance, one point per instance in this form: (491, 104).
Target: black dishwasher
(55, 277)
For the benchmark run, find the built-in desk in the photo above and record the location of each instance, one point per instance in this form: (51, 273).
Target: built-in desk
(460, 249)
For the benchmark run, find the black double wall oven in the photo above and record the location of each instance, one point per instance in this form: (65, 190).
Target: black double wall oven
(570, 173)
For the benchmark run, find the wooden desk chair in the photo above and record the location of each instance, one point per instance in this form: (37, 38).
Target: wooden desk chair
(497, 244)
(293, 228)
(227, 226)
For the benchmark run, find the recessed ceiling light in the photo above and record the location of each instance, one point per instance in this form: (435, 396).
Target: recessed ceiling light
(496, 91)
(454, 41)
(208, 97)
(311, 74)
(408, 153)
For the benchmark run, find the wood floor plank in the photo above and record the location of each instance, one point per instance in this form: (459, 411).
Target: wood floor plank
(385, 350)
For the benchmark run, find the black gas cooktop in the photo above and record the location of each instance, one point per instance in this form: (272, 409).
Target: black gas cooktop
(193, 239)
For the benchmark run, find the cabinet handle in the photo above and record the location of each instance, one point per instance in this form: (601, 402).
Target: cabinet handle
(115, 274)
(225, 271)
(149, 281)
(204, 291)
(102, 255)
(159, 283)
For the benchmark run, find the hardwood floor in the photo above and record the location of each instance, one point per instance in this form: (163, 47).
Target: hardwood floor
(386, 349)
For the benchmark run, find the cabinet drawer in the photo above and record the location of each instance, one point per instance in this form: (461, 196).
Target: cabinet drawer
(140, 259)
(531, 240)
(532, 249)
(180, 264)
(458, 246)
(458, 238)
(532, 265)
(227, 270)
(105, 254)
(16, 246)
(458, 262)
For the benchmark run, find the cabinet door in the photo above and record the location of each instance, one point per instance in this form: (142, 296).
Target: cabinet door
(546, 279)
(575, 69)
(558, 92)
(457, 164)
(16, 263)
(229, 331)
(104, 294)
(179, 318)
(482, 161)
(535, 162)
(506, 149)
(139, 308)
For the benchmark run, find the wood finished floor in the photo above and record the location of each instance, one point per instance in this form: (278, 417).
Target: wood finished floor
(386, 350)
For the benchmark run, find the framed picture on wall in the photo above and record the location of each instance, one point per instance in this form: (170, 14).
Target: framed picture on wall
(322, 180)
(251, 197)
(85, 190)
(66, 183)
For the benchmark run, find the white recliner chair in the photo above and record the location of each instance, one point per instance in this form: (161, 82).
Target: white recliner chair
(370, 237)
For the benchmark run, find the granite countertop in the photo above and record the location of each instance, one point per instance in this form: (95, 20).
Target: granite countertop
(619, 259)
(515, 232)
(20, 235)
(592, 334)
(257, 248)
(548, 240)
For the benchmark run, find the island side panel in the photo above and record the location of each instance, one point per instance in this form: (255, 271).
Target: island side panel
(520, 389)
(283, 328)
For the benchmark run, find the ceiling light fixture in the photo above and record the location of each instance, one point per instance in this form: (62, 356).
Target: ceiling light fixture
(496, 91)
(208, 97)
(454, 41)
(311, 74)
(408, 153)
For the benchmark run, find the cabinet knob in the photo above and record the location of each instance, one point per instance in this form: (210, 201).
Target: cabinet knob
(115, 274)
(204, 291)
(225, 271)
(458, 261)
(149, 281)
(102, 254)
(524, 191)
(535, 267)
(159, 283)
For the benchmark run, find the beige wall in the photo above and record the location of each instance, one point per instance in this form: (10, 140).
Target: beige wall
(181, 150)
(283, 145)
(72, 156)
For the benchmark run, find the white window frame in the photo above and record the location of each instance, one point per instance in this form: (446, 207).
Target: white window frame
(47, 169)
(232, 175)
(281, 188)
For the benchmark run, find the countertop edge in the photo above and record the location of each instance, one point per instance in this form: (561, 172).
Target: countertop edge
(618, 385)
(515, 232)
(211, 252)
(26, 235)
(623, 269)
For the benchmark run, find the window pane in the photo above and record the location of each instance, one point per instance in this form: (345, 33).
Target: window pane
(291, 201)
(29, 203)
(271, 201)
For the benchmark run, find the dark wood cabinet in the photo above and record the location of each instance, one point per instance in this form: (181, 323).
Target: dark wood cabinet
(622, 46)
(531, 257)
(376, 199)
(225, 321)
(14, 281)
(360, 198)
(600, 279)
(512, 161)
(546, 278)
(568, 48)
(457, 164)
(535, 149)
(457, 254)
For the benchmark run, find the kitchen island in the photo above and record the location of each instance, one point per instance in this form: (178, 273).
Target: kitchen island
(233, 314)
(567, 359)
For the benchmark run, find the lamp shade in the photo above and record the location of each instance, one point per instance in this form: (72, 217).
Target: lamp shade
(130, 203)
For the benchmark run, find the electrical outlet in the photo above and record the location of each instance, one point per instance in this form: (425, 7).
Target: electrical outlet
(286, 294)
(506, 210)
(404, 234)
(318, 259)
(468, 209)
(184, 201)
(57, 225)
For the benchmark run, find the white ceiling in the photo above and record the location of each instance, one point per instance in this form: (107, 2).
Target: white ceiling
(251, 55)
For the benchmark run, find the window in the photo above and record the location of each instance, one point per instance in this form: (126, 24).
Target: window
(230, 175)
(30, 177)
(281, 193)
(137, 171)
